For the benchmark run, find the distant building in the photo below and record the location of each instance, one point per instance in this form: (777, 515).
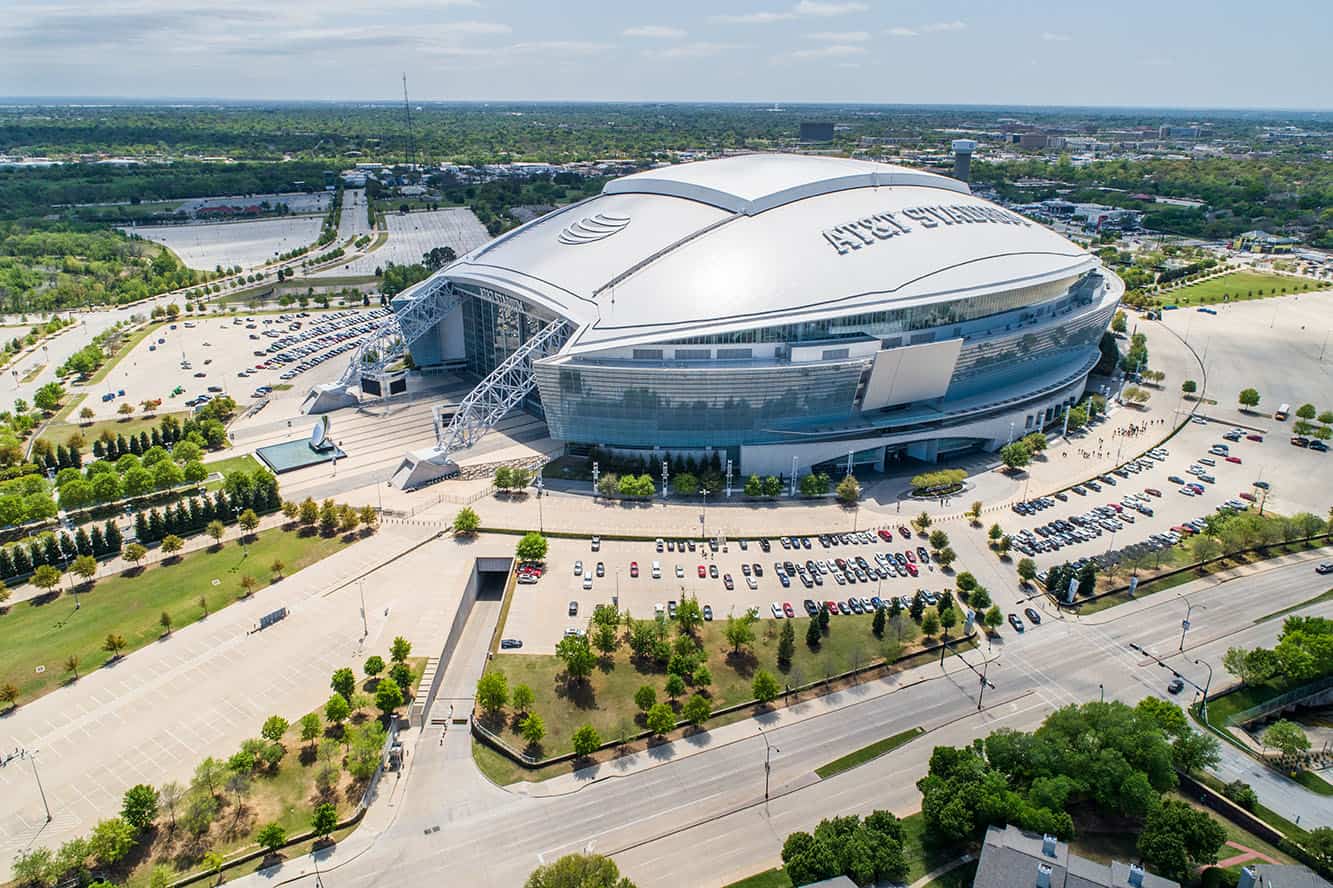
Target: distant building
(1177, 132)
(1011, 858)
(816, 132)
(1262, 242)
(1034, 141)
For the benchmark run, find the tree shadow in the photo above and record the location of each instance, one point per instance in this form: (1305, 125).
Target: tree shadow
(744, 662)
(579, 693)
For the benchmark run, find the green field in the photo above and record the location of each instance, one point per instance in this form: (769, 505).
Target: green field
(867, 753)
(59, 431)
(1236, 286)
(45, 631)
(606, 700)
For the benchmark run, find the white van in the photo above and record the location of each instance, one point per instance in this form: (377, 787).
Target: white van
(657, 570)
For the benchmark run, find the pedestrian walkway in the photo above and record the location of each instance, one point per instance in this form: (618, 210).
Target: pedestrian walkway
(1246, 855)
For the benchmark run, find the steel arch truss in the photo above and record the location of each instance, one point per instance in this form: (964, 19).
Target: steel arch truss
(500, 392)
(432, 301)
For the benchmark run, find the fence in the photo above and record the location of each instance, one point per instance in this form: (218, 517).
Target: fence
(1281, 701)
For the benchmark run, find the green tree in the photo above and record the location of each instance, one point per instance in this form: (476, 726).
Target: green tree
(877, 623)
(493, 692)
(689, 615)
(1189, 387)
(532, 547)
(111, 840)
(344, 682)
(311, 727)
(1027, 570)
(661, 718)
(765, 686)
(739, 631)
(697, 709)
(388, 696)
(1249, 398)
(787, 644)
(848, 490)
(645, 698)
(532, 729)
(271, 837)
(273, 729)
(249, 520)
(575, 652)
(400, 649)
(466, 521)
(1015, 455)
(578, 871)
(1286, 737)
(337, 709)
(586, 740)
(373, 666)
(930, 623)
(139, 806)
(46, 577)
(324, 820)
(114, 644)
(1306, 411)
(522, 698)
(1175, 839)
(994, 618)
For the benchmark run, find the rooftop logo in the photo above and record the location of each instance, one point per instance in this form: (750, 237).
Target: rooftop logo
(592, 228)
(863, 232)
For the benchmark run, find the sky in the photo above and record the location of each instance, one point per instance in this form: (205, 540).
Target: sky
(1165, 53)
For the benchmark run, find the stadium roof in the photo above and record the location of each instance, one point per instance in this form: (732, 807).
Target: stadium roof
(756, 240)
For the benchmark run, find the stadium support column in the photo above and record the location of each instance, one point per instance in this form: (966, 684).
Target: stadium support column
(793, 477)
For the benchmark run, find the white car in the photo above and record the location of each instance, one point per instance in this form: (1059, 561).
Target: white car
(680, 572)
(578, 568)
(587, 582)
(751, 583)
(777, 610)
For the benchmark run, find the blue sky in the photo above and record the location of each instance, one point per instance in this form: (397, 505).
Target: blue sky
(1164, 53)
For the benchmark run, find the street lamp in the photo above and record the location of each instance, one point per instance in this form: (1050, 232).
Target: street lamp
(541, 524)
(32, 757)
(769, 749)
(1185, 623)
(1203, 707)
(703, 516)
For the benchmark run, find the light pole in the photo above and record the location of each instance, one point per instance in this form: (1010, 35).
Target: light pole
(1185, 623)
(1203, 707)
(32, 757)
(768, 753)
(703, 516)
(985, 683)
(365, 627)
(596, 471)
(541, 524)
(1101, 690)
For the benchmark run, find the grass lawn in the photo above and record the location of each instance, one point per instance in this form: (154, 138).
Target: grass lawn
(45, 631)
(33, 373)
(1238, 285)
(1318, 599)
(606, 700)
(243, 463)
(960, 876)
(59, 431)
(774, 878)
(868, 753)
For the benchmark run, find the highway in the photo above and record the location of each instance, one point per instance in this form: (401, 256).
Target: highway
(695, 814)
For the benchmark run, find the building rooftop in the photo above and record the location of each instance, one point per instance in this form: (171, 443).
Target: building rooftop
(1012, 858)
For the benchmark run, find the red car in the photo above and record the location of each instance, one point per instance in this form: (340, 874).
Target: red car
(1152, 491)
(1247, 496)
(903, 531)
(1234, 459)
(831, 606)
(911, 556)
(702, 572)
(634, 568)
(788, 609)
(1258, 438)
(1117, 507)
(885, 536)
(911, 568)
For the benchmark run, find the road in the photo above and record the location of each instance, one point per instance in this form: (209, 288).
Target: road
(694, 814)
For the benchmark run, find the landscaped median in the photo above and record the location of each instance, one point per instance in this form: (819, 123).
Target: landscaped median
(630, 683)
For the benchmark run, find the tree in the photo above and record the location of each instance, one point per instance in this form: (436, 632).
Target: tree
(1204, 547)
(1118, 322)
(344, 683)
(645, 698)
(661, 718)
(1189, 387)
(215, 529)
(921, 522)
(1286, 737)
(388, 696)
(532, 729)
(1192, 751)
(308, 512)
(48, 397)
(46, 577)
(271, 837)
(930, 623)
(994, 618)
(974, 513)
(373, 666)
(1175, 839)
(337, 709)
(675, 686)
(1249, 398)
(575, 652)
(848, 490)
(689, 615)
(578, 871)
(493, 692)
(877, 622)
(522, 698)
(586, 740)
(274, 727)
(111, 840)
(1306, 411)
(765, 686)
(400, 649)
(171, 544)
(324, 820)
(1015, 455)
(466, 521)
(311, 727)
(165, 622)
(248, 520)
(532, 547)
(697, 709)
(248, 585)
(1027, 570)
(114, 644)
(739, 631)
(786, 644)
(139, 806)
(72, 665)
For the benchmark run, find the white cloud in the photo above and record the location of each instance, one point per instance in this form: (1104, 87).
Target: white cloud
(1047, 35)
(840, 36)
(559, 47)
(803, 9)
(833, 51)
(477, 28)
(662, 31)
(697, 50)
(901, 32)
(818, 7)
(955, 25)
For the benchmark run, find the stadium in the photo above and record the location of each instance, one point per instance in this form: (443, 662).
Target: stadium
(789, 312)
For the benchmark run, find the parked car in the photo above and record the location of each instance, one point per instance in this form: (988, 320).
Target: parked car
(510, 644)
(1016, 622)
(1032, 615)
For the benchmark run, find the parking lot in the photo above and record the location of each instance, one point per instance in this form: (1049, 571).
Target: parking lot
(241, 356)
(412, 234)
(206, 245)
(540, 613)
